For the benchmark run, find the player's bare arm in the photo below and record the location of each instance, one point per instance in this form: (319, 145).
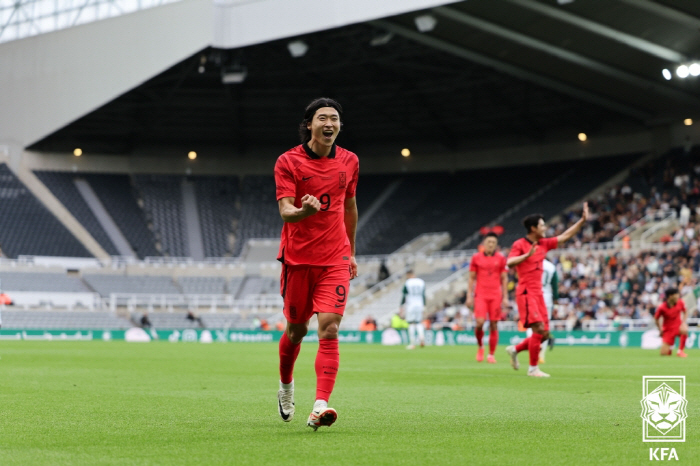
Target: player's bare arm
(658, 323)
(575, 228)
(291, 214)
(513, 261)
(351, 216)
(504, 287)
(471, 283)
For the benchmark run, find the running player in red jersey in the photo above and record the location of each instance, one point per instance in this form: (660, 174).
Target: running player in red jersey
(526, 256)
(672, 315)
(316, 184)
(488, 270)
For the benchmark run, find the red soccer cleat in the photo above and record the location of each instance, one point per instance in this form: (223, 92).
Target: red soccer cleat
(681, 354)
(480, 355)
(491, 359)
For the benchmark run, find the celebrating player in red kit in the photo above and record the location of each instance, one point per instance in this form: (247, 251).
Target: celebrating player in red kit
(526, 256)
(488, 269)
(316, 184)
(673, 315)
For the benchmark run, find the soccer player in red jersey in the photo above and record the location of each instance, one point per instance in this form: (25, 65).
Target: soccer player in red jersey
(526, 256)
(672, 315)
(488, 270)
(316, 184)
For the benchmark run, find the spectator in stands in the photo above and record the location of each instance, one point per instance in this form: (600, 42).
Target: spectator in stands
(145, 321)
(383, 272)
(368, 324)
(192, 317)
(5, 300)
(398, 322)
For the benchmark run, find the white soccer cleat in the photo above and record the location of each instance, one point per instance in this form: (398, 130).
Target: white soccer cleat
(513, 357)
(411, 347)
(285, 404)
(321, 417)
(537, 373)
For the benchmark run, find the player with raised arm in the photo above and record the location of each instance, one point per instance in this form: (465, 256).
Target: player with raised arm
(413, 302)
(672, 315)
(526, 256)
(487, 293)
(316, 184)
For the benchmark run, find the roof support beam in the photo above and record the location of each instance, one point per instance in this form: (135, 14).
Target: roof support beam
(586, 24)
(564, 54)
(512, 70)
(667, 12)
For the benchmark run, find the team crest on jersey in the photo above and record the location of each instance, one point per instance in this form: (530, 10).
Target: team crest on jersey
(342, 180)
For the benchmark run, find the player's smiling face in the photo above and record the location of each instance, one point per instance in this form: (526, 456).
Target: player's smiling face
(324, 126)
(541, 229)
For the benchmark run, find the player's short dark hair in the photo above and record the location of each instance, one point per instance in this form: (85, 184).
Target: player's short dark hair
(532, 221)
(304, 132)
(491, 234)
(409, 272)
(670, 292)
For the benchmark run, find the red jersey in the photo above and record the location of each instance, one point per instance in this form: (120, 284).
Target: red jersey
(320, 239)
(671, 315)
(530, 270)
(488, 272)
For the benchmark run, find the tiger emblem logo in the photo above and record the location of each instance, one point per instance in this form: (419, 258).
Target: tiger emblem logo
(664, 409)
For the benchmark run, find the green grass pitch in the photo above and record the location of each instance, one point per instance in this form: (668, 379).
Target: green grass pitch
(116, 403)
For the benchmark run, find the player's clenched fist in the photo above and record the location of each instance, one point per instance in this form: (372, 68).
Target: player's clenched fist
(309, 204)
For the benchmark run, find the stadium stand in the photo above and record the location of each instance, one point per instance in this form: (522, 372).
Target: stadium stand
(27, 227)
(62, 186)
(41, 281)
(260, 216)
(608, 287)
(446, 202)
(179, 320)
(218, 200)
(662, 185)
(104, 284)
(234, 285)
(202, 285)
(63, 320)
(162, 200)
(118, 196)
(581, 180)
(255, 285)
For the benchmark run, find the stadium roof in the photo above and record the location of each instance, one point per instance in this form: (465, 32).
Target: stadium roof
(479, 70)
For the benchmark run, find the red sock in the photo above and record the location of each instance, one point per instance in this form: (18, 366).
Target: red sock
(288, 356)
(493, 340)
(534, 347)
(479, 336)
(682, 345)
(327, 362)
(523, 345)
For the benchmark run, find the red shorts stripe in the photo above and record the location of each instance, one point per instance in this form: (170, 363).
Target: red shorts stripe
(307, 290)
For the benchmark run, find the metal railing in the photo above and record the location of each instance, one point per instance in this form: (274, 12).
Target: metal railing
(653, 216)
(170, 302)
